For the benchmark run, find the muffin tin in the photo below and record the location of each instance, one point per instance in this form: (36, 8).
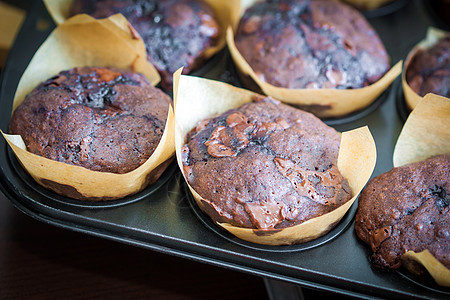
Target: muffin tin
(164, 217)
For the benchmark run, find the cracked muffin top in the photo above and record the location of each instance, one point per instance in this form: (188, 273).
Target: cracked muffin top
(311, 44)
(265, 165)
(406, 209)
(103, 119)
(176, 33)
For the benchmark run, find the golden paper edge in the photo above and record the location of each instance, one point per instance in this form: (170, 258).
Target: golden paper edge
(434, 267)
(409, 134)
(58, 9)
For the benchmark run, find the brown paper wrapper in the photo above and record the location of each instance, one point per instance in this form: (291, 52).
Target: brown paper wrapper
(432, 37)
(323, 103)
(197, 99)
(227, 12)
(426, 133)
(84, 41)
(417, 261)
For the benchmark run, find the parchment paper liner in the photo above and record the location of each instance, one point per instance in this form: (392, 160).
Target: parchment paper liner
(432, 37)
(84, 41)
(197, 99)
(426, 133)
(227, 13)
(323, 103)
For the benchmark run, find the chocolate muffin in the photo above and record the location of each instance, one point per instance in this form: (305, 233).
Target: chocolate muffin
(265, 165)
(311, 44)
(102, 119)
(406, 209)
(176, 32)
(429, 70)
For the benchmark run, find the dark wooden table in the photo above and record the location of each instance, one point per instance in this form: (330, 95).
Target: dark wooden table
(40, 261)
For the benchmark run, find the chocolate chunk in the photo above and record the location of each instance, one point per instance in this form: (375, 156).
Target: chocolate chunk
(441, 194)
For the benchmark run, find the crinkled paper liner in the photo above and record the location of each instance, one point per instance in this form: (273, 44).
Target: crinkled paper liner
(227, 13)
(323, 103)
(197, 99)
(432, 37)
(426, 133)
(84, 41)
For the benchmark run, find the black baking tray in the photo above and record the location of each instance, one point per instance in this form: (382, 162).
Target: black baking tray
(164, 218)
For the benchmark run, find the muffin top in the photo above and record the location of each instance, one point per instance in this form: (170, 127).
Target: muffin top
(103, 119)
(429, 69)
(265, 165)
(311, 44)
(406, 209)
(176, 32)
